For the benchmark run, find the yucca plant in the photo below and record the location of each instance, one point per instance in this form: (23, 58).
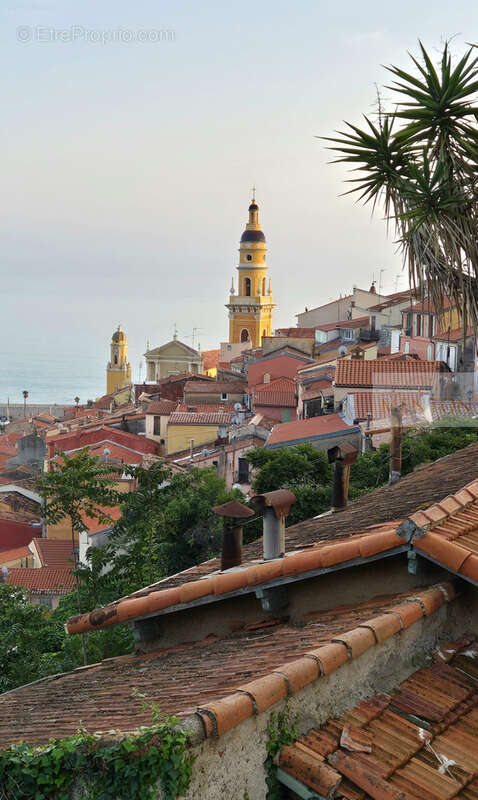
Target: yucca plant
(419, 162)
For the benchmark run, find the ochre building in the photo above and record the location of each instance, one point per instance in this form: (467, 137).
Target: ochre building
(118, 371)
(250, 310)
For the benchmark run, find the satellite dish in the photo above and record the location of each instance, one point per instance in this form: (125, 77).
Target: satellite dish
(237, 407)
(106, 452)
(342, 350)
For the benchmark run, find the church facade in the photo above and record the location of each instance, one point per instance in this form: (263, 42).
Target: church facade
(250, 308)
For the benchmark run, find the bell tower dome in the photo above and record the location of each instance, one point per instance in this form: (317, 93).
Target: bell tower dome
(118, 370)
(250, 310)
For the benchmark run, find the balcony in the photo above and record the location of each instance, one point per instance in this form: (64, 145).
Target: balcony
(367, 335)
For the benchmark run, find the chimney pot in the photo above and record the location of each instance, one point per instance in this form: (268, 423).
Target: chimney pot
(274, 507)
(343, 456)
(232, 512)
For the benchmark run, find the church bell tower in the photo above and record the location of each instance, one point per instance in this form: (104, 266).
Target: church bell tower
(118, 371)
(250, 309)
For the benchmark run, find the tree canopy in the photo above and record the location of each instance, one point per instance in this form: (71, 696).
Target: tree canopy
(418, 161)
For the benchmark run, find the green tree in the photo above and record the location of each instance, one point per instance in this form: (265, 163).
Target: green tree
(79, 487)
(167, 524)
(281, 466)
(30, 642)
(419, 162)
(302, 469)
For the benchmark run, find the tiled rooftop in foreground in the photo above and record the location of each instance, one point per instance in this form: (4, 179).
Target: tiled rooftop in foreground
(420, 743)
(229, 678)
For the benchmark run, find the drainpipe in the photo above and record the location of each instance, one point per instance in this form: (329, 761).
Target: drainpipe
(395, 471)
(232, 513)
(342, 457)
(274, 507)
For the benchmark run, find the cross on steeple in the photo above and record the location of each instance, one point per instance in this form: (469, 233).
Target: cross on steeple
(254, 194)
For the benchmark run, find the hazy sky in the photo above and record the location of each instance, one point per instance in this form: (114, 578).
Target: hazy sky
(127, 165)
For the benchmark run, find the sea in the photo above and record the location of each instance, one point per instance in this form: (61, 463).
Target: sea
(51, 379)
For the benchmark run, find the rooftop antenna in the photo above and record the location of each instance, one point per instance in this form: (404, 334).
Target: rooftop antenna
(175, 335)
(397, 278)
(140, 368)
(380, 281)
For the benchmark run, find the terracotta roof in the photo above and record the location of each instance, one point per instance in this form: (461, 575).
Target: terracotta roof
(427, 485)
(205, 408)
(324, 555)
(215, 387)
(453, 408)
(54, 553)
(164, 407)
(7, 556)
(456, 335)
(359, 322)
(275, 385)
(43, 580)
(311, 390)
(379, 404)
(427, 307)
(327, 326)
(447, 532)
(226, 677)
(66, 442)
(380, 372)
(418, 743)
(296, 333)
(95, 526)
(210, 418)
(280, 392)
(304, 429)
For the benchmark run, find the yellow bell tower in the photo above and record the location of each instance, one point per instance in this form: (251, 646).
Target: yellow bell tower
(118, 371)
(250, 310)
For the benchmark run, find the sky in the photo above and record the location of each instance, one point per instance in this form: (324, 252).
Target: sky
(132, 134)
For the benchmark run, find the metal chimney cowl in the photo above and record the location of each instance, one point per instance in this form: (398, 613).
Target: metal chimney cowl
(274, 507)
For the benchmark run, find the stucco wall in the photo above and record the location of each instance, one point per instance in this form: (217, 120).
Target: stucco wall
(179, 436)
(227, 766)
(338, 588)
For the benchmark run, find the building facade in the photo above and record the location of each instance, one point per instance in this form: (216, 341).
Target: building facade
(118, 371)
(173, 358)
(250, 309)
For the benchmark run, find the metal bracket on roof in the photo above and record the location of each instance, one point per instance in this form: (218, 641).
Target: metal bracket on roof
(145, 630)
(416, 564)
(273, 599)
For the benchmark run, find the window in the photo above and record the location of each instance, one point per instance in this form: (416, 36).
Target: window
(429, 352)
(419, 324)
(247, 290)
(408, 322)
(347, 333)
(223, 395)
(373, 322)
(266, 378)
(229, 346)
(116, 359)
(243, 473)
(406, 348)
(286, 415)
(245, 335)
(157, 426)
(249, 257)
(263, 286)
